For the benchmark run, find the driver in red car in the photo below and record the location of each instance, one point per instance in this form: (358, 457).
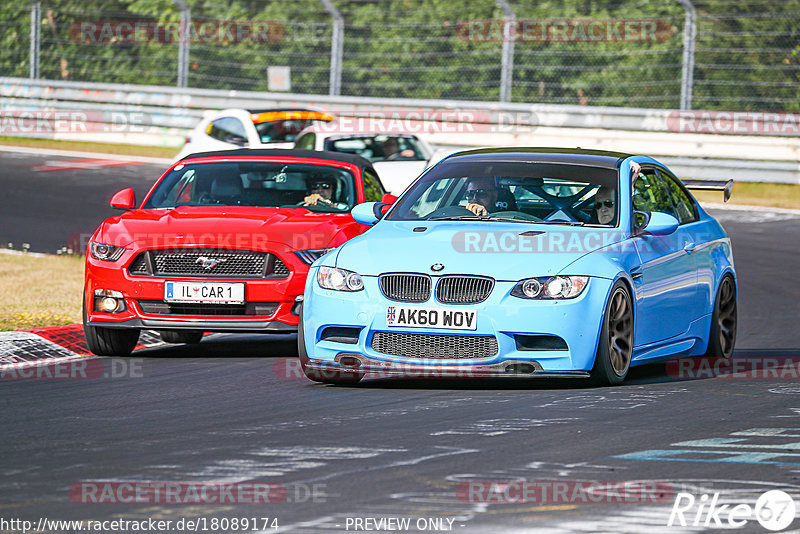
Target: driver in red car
(321, 192)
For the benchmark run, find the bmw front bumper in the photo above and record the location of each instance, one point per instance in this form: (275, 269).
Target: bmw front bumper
(510, 320)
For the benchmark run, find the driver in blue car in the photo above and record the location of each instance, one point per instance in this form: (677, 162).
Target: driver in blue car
(604, 212)
(482, 196)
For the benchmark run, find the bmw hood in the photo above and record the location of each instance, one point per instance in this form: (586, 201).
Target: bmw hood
(504, 251)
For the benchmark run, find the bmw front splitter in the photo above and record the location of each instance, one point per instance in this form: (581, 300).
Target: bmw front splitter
(355, 362)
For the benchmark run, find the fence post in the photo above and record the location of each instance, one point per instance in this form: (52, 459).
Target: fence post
(183, 43)
(689, 36)
(507, 64)
(36, 38)
(337, 47)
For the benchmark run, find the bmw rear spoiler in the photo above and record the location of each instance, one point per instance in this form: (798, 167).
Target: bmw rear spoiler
(711, 185)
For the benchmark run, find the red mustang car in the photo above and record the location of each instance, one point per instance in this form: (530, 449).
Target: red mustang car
(221, 243)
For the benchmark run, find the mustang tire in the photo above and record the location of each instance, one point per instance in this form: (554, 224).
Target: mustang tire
(109, 341)
(615, 348)
(722, 337)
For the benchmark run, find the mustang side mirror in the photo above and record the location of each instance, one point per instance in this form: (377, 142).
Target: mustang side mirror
(369, 212)
(124, 200)
(657, 223)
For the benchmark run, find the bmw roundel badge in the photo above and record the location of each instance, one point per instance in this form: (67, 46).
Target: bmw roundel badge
(437, 267)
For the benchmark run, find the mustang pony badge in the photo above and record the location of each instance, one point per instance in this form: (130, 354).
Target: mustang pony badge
(209, 263)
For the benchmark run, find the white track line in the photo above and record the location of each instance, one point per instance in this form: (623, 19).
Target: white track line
(79, 154)
(747, 207)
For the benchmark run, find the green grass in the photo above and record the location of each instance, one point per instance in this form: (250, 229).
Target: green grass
(757, 194)
(39, 291)
(88, 146)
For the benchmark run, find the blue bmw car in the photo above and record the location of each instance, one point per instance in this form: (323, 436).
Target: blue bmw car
(523, 262)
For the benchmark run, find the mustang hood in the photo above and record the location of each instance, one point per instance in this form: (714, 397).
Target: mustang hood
(505, 251)
(234, 227)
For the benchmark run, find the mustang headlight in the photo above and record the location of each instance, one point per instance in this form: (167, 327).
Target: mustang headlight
(105, 252)
(550, 287)
(339, 279)
(310, 256)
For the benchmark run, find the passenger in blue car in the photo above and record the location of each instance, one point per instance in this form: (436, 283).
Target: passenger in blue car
(482, 196)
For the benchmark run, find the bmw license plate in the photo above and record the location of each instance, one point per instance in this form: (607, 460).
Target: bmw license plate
(204, 292)
(407, 316)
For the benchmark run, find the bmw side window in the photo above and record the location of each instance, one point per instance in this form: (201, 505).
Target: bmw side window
(685, 209)
(649, 194)
(373, 191)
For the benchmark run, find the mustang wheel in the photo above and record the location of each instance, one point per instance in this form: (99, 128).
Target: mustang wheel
(615, 348)
(722, 337)
(181, 336)
(109, 341)
(325, 377)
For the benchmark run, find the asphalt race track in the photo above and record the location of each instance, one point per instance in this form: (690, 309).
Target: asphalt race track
(234, 410)
(47, 200)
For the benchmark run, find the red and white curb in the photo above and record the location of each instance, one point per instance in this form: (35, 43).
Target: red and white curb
(53, 346)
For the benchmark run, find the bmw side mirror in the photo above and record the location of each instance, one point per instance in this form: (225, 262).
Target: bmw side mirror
(124, 200)
(369, 212)
(661, 224)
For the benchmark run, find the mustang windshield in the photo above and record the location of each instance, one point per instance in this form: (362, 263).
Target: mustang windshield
(255, 184)
(535, 192)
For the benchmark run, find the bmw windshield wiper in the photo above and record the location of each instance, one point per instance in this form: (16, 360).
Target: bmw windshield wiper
(461, 218)
(567, 223)
(512, 219)
(482, 218)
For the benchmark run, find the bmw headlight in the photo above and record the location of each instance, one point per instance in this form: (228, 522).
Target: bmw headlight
(104, 252)
(550, 287)
(310, 256)
(339, 279)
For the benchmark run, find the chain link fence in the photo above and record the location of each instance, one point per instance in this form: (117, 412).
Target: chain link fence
(624, 53)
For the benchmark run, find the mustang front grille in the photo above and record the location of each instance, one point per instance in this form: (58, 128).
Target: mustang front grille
(463, 289)
(208, 263)
(405, 287)
(434, 346)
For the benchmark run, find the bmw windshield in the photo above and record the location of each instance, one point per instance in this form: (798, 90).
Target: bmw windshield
(261, 184)
(552, 193)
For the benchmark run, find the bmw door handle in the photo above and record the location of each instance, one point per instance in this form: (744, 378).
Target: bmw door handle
(689, 247)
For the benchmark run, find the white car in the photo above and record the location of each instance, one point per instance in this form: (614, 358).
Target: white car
(250, 128)
(398, 157)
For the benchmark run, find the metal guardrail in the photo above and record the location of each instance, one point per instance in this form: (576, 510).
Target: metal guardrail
(165, 114)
